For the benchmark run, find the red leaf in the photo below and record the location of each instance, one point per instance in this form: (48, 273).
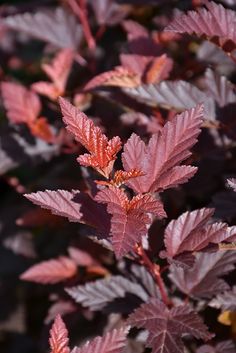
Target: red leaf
(112, 342)
(129, 218)
(59, 337)
(51, 271)
(164, 152)
(58, 71)
(102, 152)
(119, 77)
(213, 22)
(166, 326)
(23, 105)
(159, 69)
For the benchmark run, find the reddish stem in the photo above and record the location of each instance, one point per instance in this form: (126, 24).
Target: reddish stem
(154, 270)
(81, 12)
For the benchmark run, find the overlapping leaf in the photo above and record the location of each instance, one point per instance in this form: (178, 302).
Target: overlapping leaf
(224, 346)
(57, 27)
(192, 232)
(225, 301)
(112, 342)
(108, 12)
(160, 159)
(51, 271)
(98, 294)
(58, 71)
(215, 22)
(59, 337)
(203, 279)
(166, 326)
(129, 217)
(102, 152)
(179, 95)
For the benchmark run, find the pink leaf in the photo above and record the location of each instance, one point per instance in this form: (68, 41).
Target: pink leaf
(51, 271)
(112, 342)
(165, 151)
(22, 105)
(59, 337)
(232, 183)
(213, 22)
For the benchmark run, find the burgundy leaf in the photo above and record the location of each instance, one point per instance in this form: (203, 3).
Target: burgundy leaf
(102, 152)
(58, 202)
(57, 27)
(108, 12)
(179, 95)
(215, 22)
(134, 30)
(59, 337)
(224, 346)
(225, 301)
(81, 258)
(202, 280)
(51, 271)
(98, 294)
(166, 326)
(165, 151)
(129, 218)
(112, 342)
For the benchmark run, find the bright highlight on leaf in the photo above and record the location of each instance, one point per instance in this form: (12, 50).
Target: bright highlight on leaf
(102, 152)
(59, 337)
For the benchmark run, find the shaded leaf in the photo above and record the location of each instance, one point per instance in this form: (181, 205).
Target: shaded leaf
(232, 183)
(166, 326)
(225, 301)
(102, 152)
(51, 271)
(59, 337)
(112, 342)
(164, 152)
(57, 27)
(203, 279)
(108, 12)
(224, 346)
(96, 295)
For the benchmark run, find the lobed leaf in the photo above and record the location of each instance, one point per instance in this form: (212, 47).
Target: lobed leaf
(164, 152)
(59, 337)
(102, 152)
(51, 271)
(166, 326)
(203, 279)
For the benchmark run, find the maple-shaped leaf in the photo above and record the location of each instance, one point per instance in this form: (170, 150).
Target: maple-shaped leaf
(191, 232)
(102, 152)
(221, 347)
(112, 342)
(167, 326)
(130, 218)
(59, 337)
(203, 279)
(180, 95)
(51, 271)
(232, 183)
(118, 77)
(58, 71)
(214, 22)
(96, 295)
(219, 88)
(57, 27)
(225, 301)
(58, 202)
(160, 159)
(23, 106)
